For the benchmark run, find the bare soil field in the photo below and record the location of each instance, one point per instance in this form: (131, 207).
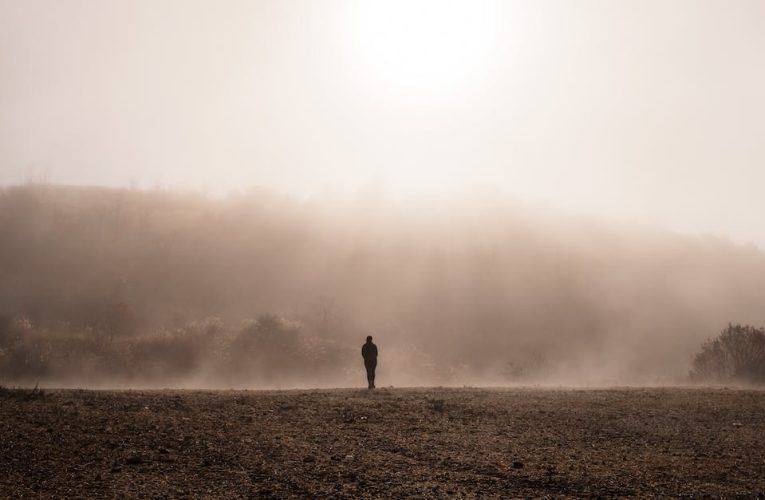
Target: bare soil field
(383, 443)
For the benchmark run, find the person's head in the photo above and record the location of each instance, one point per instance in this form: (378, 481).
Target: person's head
(369, 339)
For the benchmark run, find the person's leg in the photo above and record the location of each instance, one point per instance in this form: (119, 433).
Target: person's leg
(370, 376)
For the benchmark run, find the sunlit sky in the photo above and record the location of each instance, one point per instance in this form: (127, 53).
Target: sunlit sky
(648, 111)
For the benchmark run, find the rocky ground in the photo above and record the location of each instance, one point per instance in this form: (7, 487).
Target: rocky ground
(388, 442)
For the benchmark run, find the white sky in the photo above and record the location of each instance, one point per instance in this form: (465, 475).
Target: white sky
(646, 110)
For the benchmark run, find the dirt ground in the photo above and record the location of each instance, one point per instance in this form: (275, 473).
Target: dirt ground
(383, 443)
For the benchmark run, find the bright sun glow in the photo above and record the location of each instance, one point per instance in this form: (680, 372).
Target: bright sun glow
(430, 46)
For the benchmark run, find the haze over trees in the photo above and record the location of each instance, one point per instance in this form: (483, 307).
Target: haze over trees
(110, 286)
(736, 355)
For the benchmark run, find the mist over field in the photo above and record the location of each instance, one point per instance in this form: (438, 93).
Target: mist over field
(114, 287)
(548, 215)
(452, 178)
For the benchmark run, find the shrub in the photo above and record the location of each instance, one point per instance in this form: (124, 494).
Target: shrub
(736, 355)
(268, 351)
(268, 347)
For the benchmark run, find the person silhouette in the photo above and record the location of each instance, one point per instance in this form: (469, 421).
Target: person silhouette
(369, 353)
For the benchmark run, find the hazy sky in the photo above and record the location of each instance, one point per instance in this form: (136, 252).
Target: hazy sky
(651, 111)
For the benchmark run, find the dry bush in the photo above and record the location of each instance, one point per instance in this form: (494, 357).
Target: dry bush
(736, 355)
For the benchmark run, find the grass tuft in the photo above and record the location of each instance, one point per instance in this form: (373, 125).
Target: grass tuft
(21, 394)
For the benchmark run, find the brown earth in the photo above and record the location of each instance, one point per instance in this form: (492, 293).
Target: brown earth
(388, 442)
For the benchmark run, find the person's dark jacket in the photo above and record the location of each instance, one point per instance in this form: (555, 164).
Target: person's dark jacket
(369, 353)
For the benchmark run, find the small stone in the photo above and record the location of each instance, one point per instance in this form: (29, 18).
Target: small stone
(517, 464)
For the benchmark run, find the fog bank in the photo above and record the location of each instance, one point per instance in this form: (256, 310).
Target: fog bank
(109, 287)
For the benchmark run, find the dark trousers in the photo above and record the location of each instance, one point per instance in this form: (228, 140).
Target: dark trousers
(371, 373)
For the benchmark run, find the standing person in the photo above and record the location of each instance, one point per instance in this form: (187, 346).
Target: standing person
(369, 353)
